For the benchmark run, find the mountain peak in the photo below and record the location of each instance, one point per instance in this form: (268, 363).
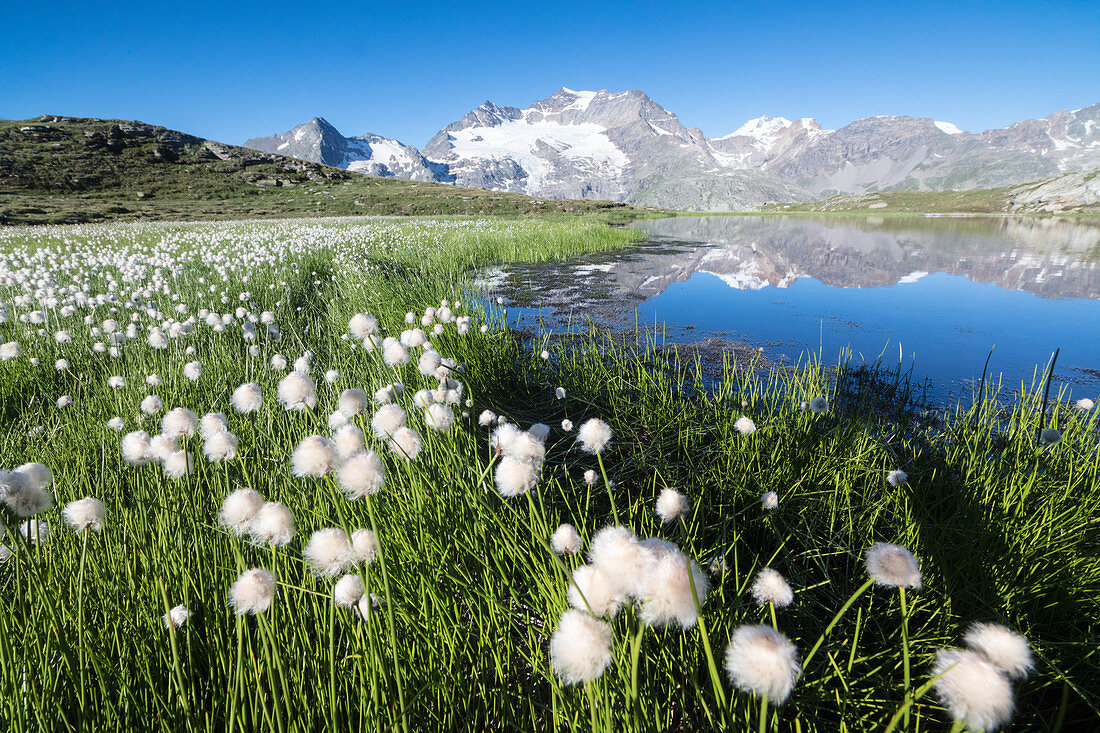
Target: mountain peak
(760, 127)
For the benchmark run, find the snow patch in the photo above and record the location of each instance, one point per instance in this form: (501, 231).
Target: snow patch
(947, 127)
(912, 277)
(760, 129)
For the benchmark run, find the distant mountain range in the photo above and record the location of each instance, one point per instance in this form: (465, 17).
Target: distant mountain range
(623, 146)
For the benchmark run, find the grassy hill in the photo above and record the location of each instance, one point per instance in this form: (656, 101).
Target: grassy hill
(70, 169)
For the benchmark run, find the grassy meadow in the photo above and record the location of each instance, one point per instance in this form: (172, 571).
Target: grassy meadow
(462, 620)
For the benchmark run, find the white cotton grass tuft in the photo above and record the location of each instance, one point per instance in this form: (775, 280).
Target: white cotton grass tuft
(272, 524)
(819, 405)
(594, 435)
(238, 509)
(247, 398)
(565, 540)
(628, 563)
(361, 474)
(770, 501)
(348, 440)
(37, 475)
(213, 423)
(86, 513)
(297, 392)
(1050, 436)
(897, 478)
(771, 587)
(972, 689)
(353, 402)
(539, 431)
(406, 443)
(580, 648)
(192, 370)
(116, 423)
(178, 464)
(314, 456)
(893, 565)
(348, 591)
(486, 418)
(389, 393)
(671, 505)
(394, 353)
(331, 376)
(337, 420)
(220, 447)
(151, 405)
(364, 545)
(1084, 404)
(594, 590)
(329, 552)
(161, 446)
(135, 448)
(504, 436)
(668, 591)
(362, 325)
(567, 425)
(515, 476)
(1003, 648)
(388, 420)
(253, 591)
(745, 425)
(179, 423)
(439, 417)
(559, 393)
(590, 477)
(176, 617)
(762, 661)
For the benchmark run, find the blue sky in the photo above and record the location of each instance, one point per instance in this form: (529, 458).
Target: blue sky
(231, 71)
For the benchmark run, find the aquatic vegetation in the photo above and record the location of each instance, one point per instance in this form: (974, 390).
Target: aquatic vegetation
(446, 516)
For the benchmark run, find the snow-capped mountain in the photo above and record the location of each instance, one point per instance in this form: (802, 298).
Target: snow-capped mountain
(624, 146)
(374, 155)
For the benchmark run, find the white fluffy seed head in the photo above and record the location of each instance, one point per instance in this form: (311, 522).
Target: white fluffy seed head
(213, 423)
(192, 370)
(594, 435)
(329, 552)
(362, 325)
(893, 565)
(745, 425)
(671, 505)
(179, 423)
(178, 464)
(770, 587)
(151, 405)
(486, 418)
(394, 353)
(504, 436)
(86, 513)
(413, 337)
(762, 661)
(515, 476)
(177, 617)
(770, 501)
(272, 524)
(627, 562)
(314, 456)
(388, 420)
(253, 591)
(247, 398)
(594, 590)
(116, 423)
(668, 593)
(439, 417)
(220, 447)
(161, 446)
(1084, 404)
(972, 689)
(37, 475)
(337, 420)
(1005, 649)
(389, 393)
(567, 425)
(361, 474)
(406, 443)
(297, 392)
(565, 540)
(580, 648)
(135, 448)
(348, 440)
(539, 431)
(364, 545)
(353, 402)
(897, 478)
(348, 591)
(238, 509)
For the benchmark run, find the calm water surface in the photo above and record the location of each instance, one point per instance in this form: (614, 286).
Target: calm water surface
(939, 291)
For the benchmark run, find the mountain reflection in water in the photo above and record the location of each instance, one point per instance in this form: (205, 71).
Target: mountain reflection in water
(946, 289)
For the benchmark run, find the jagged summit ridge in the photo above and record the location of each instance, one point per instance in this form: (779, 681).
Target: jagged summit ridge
(624, 146)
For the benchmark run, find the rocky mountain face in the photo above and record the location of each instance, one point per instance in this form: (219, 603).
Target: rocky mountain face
(623, 146)
(320, 142)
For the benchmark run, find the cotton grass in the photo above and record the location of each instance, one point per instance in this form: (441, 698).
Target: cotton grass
(253, 591)
(893, 565)
(329, 552)
(973, 689)
(580, 648)
(762, 661)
